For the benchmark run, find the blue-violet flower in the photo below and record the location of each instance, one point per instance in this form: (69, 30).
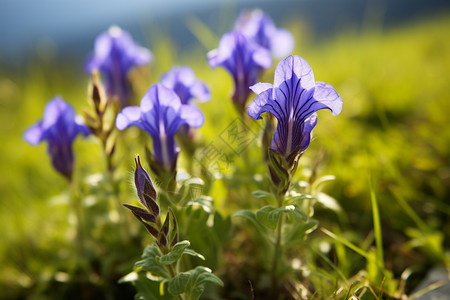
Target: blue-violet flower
(293, 99)
(115, 54)
(161, 114)
(183, 82)
(59, 127)
(260, 28)
(243, 59)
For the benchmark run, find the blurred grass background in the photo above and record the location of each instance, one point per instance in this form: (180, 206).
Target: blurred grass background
(394, 125)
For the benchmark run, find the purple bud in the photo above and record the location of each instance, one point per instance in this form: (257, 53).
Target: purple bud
(145, 190)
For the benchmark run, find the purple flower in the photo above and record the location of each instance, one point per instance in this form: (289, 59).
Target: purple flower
(293, 99)
(59, 127)
(243, 59)
(161, 114)
(183, 82)
(115, 54)
(260, 28)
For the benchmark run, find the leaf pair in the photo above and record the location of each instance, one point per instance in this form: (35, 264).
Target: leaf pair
(192, 283)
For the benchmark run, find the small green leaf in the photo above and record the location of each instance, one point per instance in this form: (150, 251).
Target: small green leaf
(296, 197)
(148, 289)
(278, 172)
(269, 215)
(193, 253)
(298, 214)
(329, 202)
(205, 202)
(174, 254)
(193, 282)
(250, 216)
(261, 194)
(322, 180)
(149, 263)
(299, 230)
(178, 284)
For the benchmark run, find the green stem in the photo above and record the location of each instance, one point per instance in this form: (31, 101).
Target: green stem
(122, 219)
(172, 274)
(77, 207)
(278, 247)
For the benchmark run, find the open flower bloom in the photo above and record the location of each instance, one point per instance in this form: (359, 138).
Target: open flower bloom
(183, 82)
(260, 28)
(293, 99)
(244, 60)
(115, 54)
(59, 128)
(161, 114)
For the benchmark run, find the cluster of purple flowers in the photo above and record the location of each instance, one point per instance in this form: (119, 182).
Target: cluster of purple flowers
(246, 51)
(293, 99)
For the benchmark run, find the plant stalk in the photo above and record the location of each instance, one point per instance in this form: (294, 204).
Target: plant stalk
(278, 247)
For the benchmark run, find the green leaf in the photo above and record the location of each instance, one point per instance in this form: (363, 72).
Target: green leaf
(250, 216)
(149, 262)
(299, 230)
(296, 197)
(193, 253)
(193, 282)
(178, 284)
(148, 289)
(261, 194)
(174, 254)
(322, 180)
(204, 202)
(298, 214)
(329, 202)
(278, 172)
(269, 215)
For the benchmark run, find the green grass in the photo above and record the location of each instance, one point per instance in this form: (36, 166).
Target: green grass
(394, 126)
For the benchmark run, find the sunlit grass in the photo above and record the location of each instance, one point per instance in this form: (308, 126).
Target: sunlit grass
(395, 86)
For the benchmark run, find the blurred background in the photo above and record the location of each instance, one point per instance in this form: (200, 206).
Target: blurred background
(389, 61)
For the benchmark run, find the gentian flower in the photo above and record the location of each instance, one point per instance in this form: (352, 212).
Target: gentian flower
(259, 27)
(161, 114)
(59, 127)
(183, 82)
(244, 60)
(293, 99)
(115, 54)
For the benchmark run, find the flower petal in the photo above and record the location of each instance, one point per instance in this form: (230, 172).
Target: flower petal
(262, 57)
(291, 65)
(326, 94)
(192, 116)
(225, 50)
(200, 91)
(56, 109)
(308, 126)
(282, 43)
(34, 134)
(164, 96)
(128, 116)
(213, 58)
(261, 103)
(261, 87)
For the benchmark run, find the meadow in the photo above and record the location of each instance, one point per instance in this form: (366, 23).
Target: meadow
(378, 224)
